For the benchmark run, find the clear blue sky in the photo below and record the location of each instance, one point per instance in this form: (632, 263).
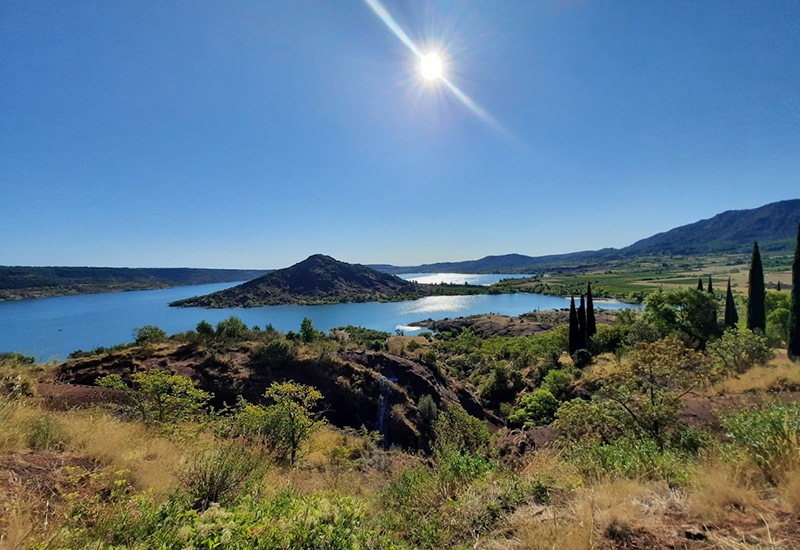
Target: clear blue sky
(254, 133)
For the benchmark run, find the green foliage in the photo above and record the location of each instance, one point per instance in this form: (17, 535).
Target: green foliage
(367, 337)
(739, 350)
(413, 346)
(559, 383)
(648, 391)
(770, 434)
(637, 458)
(597, 420)
(458, 430)
(204, 330)
(307, 331)
(290, 419)
(608, 338)
(157, 396)
(149, 334)
(276, 353)
(428, 414)
(756, 307)
(793, 339)
(581, 358)
(501, 386)
(220, 475)
(685, 314)
(731, 315)
(46, 433)
(231, 329)
(536, 409)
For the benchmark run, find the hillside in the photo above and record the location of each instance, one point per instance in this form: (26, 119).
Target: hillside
(773, 225)
(317, 279)
(18, 282)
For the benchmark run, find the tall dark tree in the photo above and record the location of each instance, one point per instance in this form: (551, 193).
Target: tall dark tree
(591, 322)
(756, 305)
(710, 288)
(793, 343)
(582, 340)
(574, 330)
(700, 284)
(731, 315)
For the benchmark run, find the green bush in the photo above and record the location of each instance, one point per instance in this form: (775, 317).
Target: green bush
(204, 330)
(536, 409)
(559, 383)
(635, 458)
(581, 358)
(46, 433)
(770, 434)
(276, 353)
(232, 329)
(739, 350)
(149, 334)
(457, 429)
(221, 475)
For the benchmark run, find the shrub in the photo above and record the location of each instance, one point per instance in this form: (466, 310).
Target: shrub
(157, 396)
(457, 429)
(739, 350)
(204, 330)
(231, 329)
(289, 421)
(559, 383)
(594, 420)
(636, 458)
(307, 331)
(276, 353)
(149, 334)
(770, 434)
(220, 475)
(608, 338)
(46, 433)
(536, 409)
(413, 345)
(581, 358)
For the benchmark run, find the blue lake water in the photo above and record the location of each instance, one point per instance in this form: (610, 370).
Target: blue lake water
(458, 278)
(50, 328)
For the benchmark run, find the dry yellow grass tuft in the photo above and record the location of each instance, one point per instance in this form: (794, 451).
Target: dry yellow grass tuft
(723, 491)
(781, 376)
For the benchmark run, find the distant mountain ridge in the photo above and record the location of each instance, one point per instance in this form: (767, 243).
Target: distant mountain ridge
(317, 279)
(33, 282)
(773, 225)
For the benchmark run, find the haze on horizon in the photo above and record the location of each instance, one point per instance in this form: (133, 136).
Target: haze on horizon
(208, 134)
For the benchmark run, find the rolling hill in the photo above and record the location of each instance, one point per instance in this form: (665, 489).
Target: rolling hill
(773, 225)
(317, 279)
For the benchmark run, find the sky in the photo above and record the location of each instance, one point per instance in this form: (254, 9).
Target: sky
(251, 134)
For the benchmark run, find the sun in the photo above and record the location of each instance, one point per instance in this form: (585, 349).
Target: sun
(431, 66)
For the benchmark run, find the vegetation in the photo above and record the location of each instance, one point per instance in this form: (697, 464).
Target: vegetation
(794, 316)
(756, 308)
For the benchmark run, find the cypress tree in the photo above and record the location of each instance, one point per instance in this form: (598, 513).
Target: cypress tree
(700, 284)
(793, 343)
(582, 341)
(731, 316)
(573, 327)
(778, 288)
(756, 306)
(710, 289)
(591, 323)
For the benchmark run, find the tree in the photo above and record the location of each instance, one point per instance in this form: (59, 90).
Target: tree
(536, 409)
(574, 330)
(683, 313)
(157, 396)
(756, 307)
(649, 390)
(456, 430)
(307, 331)
(731, 316)
(428, 413)
(149, 334)
(710, 288)
(582, 339)
(739, 350)
(289, 418)
(793, 342)
(700, 284)
(205, 330)
(591, 322)
(231, 328)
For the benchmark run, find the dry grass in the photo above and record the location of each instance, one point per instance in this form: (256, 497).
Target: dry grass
(783, 375)
(723, 491)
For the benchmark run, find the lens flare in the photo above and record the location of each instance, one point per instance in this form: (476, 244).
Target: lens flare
(431, 67)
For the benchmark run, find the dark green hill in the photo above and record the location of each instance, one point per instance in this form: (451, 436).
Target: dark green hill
(33, 282)
(316, 280)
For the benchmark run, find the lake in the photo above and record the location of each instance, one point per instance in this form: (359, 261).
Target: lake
(52, 328)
